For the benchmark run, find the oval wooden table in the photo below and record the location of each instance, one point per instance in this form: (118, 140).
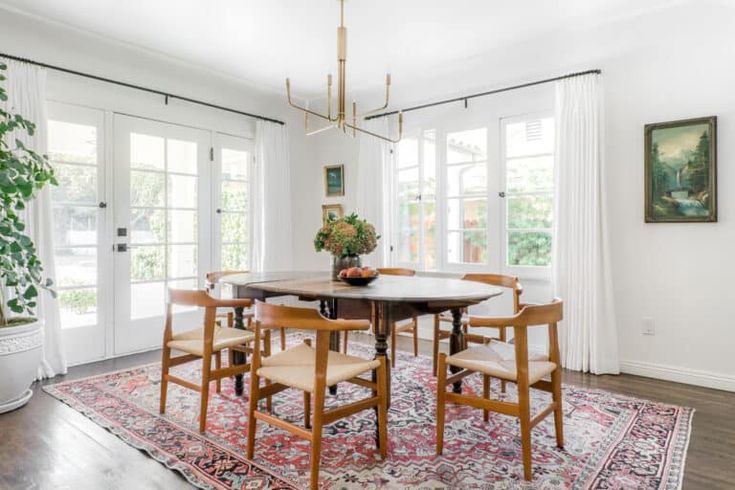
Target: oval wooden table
(385, 300)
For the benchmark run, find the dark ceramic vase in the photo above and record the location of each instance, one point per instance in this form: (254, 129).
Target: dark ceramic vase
(339, 263)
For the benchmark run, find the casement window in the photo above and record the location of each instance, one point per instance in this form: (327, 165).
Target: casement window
(476, 198)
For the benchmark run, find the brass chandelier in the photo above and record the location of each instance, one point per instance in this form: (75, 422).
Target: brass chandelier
(340, 120)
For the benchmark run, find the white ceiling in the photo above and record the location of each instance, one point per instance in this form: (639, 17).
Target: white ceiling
(263, 41)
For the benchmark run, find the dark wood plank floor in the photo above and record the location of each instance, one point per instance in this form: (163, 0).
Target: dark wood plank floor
(48, 445)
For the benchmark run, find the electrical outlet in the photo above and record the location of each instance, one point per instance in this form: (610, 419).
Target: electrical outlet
(647, 326)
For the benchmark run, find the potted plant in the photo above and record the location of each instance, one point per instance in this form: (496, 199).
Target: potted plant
(23, 173)
(346, 239)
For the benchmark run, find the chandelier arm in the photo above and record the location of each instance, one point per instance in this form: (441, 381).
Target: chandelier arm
(384, 138)
(387, 99)
(320, 130)
(304, 109)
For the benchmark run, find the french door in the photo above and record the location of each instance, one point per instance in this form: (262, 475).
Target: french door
(162, 222)
(80, 228)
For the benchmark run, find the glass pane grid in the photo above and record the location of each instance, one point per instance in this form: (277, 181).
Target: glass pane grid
(71, 163)
(469, 162)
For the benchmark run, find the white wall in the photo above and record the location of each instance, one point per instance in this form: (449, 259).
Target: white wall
(665, 65)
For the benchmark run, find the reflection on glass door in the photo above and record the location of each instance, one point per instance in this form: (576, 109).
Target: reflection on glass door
(79, 209)
(161, 217)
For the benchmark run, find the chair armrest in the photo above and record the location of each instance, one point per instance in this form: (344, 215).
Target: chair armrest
(488, 321)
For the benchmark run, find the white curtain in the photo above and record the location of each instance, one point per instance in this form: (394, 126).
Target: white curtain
(373, 171)
(588, 333)
(272, 227)
(26, 90)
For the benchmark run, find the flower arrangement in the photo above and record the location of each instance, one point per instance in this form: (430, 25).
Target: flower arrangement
(346, 236)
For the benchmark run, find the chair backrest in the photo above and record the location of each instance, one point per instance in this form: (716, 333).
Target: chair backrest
(277, 316)
(502, 281)
(543, 314)
(190, 297)
(396, 271)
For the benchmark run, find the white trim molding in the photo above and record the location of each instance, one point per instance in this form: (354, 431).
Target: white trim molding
(695, 377)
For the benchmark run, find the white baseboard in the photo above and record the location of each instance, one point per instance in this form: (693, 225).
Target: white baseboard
(679, 375)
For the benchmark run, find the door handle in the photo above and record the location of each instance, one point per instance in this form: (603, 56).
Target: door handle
(121, 247)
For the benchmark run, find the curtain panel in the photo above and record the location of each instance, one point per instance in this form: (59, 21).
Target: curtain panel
(26, 90)
(581, 270)
(272, 225)
(373, 189)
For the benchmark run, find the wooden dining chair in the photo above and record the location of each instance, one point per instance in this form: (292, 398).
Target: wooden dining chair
(313, 370)
(204, 343)
(499, 280)
(511, 362)
(410, 325)
(211, 281)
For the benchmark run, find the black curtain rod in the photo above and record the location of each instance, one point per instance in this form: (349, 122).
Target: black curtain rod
(138, 87)
(483, 94)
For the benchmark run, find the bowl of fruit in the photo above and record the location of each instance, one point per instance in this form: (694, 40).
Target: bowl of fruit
(358, 276)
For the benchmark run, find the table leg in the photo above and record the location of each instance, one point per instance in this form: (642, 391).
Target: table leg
(330, 311)
(239, 357)
(381, 329)
(456, 343)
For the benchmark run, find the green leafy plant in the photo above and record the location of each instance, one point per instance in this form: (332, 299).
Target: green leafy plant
(23, 173)
(346, 236)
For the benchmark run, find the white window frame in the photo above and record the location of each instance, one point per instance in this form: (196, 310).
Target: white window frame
(539, 272)
(220, 141)
(496, 205)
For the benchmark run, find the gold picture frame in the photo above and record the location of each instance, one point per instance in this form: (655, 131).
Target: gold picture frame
(331, 210)
(334, 180)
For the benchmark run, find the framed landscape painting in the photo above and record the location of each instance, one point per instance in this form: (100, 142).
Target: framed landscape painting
(334, 180)
(681, 171)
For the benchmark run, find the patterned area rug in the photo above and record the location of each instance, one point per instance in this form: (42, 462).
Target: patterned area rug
(612, 441)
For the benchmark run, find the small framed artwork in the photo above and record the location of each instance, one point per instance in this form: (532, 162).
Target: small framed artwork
(331, 211)
(681, 171)
(334, 180)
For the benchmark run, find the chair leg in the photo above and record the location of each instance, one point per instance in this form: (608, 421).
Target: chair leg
(415, 337)
(307, 410)
(485, 395)
(204, 395)
(525, 419)
(252, 421)
(283, 339)
(558, 413)
(165, 360)
(435, 346)
(316, 432)
(218, 365)
(267, 352)
(502, 339)
(393, 345)
(441, 390)
(382, 409)
(345, 337)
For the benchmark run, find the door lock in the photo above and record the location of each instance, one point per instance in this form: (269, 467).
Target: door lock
(121, 247)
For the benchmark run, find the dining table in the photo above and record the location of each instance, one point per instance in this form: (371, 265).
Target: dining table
(384, 301)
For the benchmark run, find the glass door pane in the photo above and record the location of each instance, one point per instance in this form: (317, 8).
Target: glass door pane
(161, 217)
(75, 153)
(232, 195)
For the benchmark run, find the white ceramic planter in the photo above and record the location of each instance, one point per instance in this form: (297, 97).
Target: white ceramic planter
(20, 355)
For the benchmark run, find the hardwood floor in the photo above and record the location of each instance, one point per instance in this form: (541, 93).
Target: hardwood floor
(48, 445)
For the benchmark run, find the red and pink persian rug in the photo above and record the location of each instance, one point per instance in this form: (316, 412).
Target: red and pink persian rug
(612, 441)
